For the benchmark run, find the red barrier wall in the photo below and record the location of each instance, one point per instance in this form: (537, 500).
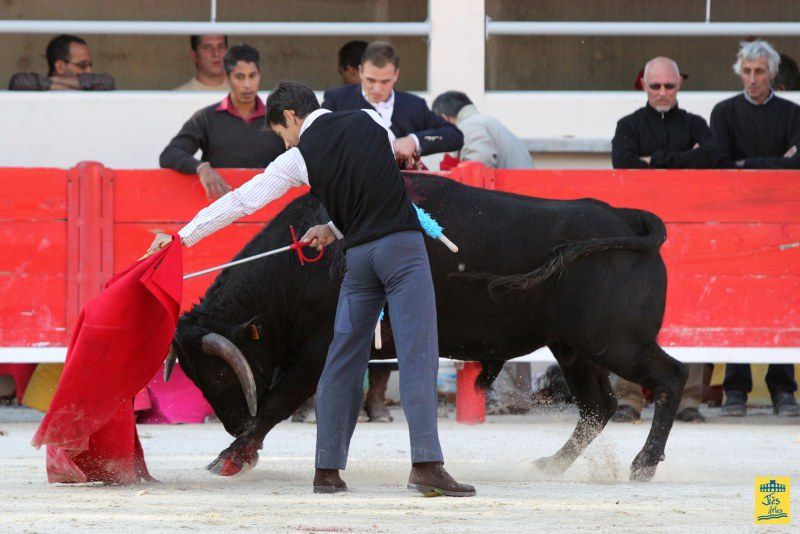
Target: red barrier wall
(733, 251)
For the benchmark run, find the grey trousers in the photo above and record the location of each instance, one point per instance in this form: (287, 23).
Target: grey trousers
(394, 268)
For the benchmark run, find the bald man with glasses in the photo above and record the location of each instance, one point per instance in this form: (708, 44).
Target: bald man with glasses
(661, 135)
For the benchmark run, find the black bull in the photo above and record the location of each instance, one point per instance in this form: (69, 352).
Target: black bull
(580, 277)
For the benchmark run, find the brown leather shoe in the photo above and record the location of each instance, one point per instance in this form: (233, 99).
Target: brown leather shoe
(328, 481)
(432, 480)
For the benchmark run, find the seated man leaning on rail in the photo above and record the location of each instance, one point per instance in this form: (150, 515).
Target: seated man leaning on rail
(229, 134)
(756, 129)
(661, 135)
(69, 64)
(485, 138)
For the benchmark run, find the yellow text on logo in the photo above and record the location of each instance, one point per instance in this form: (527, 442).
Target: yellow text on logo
(771, 495)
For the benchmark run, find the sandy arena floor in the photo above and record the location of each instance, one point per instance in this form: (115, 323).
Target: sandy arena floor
(705, 484)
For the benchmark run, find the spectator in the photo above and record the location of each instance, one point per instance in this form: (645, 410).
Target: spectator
(379, 373)
(661, 135)
(230, 133)
(757, 129)
(488, 141)
(69, 66)
(485, 138)
(417, 129)
(350, 61)
(207, 53)
(788, 75)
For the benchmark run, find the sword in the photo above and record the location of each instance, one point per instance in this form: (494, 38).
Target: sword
(296, 245)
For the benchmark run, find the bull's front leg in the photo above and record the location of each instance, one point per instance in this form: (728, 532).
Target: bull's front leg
(295, 386)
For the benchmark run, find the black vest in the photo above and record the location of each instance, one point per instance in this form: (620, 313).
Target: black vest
(352, 170)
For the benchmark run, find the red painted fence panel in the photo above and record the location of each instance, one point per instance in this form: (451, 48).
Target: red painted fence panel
(733, 251)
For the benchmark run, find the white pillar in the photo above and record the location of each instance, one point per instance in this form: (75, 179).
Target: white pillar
(457, 45)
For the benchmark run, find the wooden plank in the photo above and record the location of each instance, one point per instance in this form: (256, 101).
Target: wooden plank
(676, 196)
(733, 302)
(32, 337)
(33, 302)
(733, 249)
(33, 194)
(683, 336)
(169, 196)
(33, 248)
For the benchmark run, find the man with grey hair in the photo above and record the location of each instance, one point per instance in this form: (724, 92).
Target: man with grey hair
(661, 135)
(485, 138)
(756, 129)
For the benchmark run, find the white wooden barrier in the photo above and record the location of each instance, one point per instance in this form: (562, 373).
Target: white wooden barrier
(684, 354)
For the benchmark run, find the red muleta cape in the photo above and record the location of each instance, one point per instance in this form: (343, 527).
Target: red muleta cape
(121, 339)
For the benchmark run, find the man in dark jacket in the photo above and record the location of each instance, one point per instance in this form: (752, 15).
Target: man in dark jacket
(418, 130)
(230, 133)
(661, 135)
(758, 130)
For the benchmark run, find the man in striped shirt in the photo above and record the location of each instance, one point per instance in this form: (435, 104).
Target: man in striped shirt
(347, 160)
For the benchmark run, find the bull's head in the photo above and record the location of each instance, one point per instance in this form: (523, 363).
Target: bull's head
(226, 361)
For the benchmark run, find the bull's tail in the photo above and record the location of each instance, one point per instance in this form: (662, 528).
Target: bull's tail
(652, 234)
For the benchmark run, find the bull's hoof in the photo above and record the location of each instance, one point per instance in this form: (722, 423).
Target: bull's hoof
(551, 465)
(643, 473)
(643, 469)
(234, 461)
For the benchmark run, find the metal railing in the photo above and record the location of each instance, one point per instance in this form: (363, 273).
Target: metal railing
(123, 27)
(642, 28)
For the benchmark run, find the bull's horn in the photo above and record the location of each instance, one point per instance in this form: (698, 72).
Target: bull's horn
(169, 362)
(225, 349)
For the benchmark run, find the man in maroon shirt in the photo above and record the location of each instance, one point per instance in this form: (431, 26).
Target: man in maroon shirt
(230, 133)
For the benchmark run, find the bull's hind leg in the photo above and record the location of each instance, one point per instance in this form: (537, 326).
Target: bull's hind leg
(590, 386)
(665, 377)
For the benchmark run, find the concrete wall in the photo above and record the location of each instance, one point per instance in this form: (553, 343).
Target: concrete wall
(143, 62)
(510, 63)
(596, 63)
(128, 129)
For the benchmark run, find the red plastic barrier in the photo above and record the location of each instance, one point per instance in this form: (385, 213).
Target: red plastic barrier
(470, 403)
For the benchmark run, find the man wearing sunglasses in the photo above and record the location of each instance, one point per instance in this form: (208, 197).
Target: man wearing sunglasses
(661, 135)
(70, 68)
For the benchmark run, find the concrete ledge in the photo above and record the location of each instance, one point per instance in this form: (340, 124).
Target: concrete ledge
(539, 145)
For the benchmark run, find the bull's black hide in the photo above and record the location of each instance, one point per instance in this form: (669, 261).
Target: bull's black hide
(580, 277)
